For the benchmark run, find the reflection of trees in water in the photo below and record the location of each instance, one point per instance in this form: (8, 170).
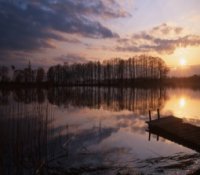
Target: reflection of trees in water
(114, 99)
(4, 97)
(29, 95)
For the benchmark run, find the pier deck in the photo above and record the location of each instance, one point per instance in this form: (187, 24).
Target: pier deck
(176, 130)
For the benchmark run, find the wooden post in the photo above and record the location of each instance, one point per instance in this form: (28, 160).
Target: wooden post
(158, 111)
(149, 115)
(157, 137)
(149, 136)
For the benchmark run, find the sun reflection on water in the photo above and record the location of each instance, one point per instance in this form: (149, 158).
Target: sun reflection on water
(182, 102)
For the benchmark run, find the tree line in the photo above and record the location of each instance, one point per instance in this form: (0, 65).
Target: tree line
(26, 75)
(96, 72)
(109, 71)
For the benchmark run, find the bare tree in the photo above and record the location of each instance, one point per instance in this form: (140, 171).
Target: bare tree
(40, 74)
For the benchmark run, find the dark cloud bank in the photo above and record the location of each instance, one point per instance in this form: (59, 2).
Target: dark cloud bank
(29, 25)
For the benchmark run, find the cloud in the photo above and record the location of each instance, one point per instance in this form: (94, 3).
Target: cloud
(166, 29)
(70, 59)
(161, 39)
(30, 25)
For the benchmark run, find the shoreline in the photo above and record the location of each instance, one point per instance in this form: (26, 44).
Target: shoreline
(191, 82)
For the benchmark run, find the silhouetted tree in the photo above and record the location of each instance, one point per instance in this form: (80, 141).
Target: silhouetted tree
(4, 74)
(29, 74)
(18, 76)
(40, 74)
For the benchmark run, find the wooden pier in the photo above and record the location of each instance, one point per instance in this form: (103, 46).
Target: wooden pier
(176, 130)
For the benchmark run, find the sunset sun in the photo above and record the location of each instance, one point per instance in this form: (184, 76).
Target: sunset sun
(182, 61)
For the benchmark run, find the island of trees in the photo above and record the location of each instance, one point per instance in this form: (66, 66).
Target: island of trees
(108, 72)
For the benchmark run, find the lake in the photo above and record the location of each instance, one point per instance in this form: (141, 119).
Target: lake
(91, 130)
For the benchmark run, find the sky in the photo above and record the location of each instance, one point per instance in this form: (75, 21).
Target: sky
(49, 32)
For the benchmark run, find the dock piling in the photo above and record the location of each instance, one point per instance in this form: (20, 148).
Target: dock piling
(158, 112)
(149, 136)
(149, 115)
(157, 138)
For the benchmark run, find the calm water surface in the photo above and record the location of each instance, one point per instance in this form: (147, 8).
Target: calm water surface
(93, 131)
